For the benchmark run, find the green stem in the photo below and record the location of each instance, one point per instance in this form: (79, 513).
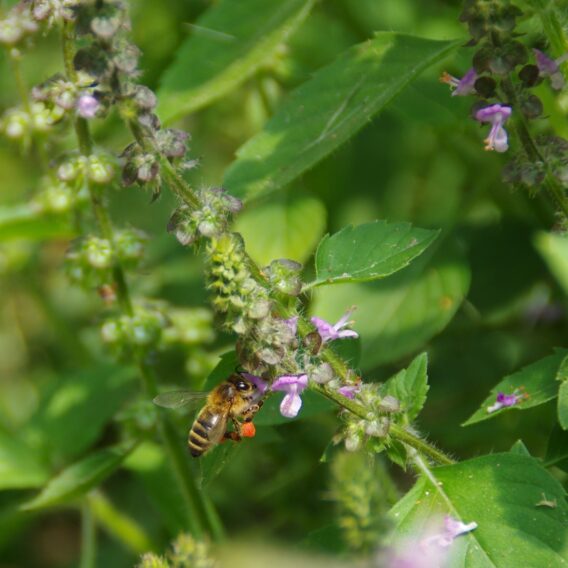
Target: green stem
(555, 190)
(397, 432)
(202, 516)
(14, 57)
(120, 526)
(88, 537)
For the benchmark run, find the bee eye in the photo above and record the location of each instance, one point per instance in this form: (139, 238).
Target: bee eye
(241, 385)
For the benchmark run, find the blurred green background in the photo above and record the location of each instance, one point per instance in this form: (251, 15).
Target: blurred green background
(482, 305)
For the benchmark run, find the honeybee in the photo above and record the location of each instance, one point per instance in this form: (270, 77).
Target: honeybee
(237, 399)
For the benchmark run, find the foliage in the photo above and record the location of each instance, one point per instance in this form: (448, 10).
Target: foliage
(365, 269)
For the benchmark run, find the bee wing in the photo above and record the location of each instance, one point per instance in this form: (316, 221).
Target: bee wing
(177, 399)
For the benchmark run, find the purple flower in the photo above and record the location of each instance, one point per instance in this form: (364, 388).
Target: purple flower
(496, 115)
(504, 400)
(87, 106)
(329, 332)
(293, 386)
(548, 67)
(261, 385)
(428, 552)
(461, 87)
(349, 391)
(452, 529)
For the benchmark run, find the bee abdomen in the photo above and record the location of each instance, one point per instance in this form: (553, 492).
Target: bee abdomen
(198, 441)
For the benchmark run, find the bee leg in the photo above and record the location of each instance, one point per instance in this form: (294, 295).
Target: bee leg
(235, 435)
(248, 415)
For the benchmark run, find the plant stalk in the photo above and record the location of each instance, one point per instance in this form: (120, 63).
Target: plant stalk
(88, 537)
(397, 432)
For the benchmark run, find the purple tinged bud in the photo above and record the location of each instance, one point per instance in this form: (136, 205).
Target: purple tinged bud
(87, 106)
(549, 67)
(349, 391)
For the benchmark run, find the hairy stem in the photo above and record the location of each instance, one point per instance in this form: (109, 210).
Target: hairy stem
(397, 432)
(555, 190)
(202, 517)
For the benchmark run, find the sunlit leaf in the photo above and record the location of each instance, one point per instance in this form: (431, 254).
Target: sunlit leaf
(501, 493)
(228, 44)
(562, 376)
(73, 414)
(330, 108)
(537, 381)
(20, 466)
(369, 252)
(24, 222)
(286, 228)
(399, 314)
(80, 477)
(410, 386)
(554, 249)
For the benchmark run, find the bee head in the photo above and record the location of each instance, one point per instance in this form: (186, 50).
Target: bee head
(242, 385)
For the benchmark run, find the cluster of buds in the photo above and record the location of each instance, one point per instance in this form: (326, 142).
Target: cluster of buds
(53, 11)
(17, 25)
(21, 124)
(185, 551)
(90, 261)
(272, 341)
(242, 301)
(503, 72)
(97, 168)
(59, 197)
(57, 91)
(210, 220)
(142, 330)
(373, 430)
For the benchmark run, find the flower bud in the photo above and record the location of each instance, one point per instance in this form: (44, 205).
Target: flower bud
(98, 252)
(284, 275)
(111, 331)
(99, 169)
(322, 374)
(377, 428)
(87, 106)
(353, 442)
(389, 404)
(15, 123)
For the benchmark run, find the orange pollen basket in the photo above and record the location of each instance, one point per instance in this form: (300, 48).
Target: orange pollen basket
(248, 430)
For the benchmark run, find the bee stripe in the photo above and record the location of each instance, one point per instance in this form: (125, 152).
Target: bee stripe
(197, 439)
(195, 451)
(200, 430)
(204, 423)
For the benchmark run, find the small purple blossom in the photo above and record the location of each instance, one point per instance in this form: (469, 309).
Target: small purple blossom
(329, 332)
(452, 529)
(293, 386)
(549, 67)
(461, 87)
(349, 391)
(496, 115)
(87, 106)
(430, 551)
(505, 400)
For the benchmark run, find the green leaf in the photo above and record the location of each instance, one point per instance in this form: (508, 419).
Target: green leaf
(398, 315)
(19, 464)
(329, 109)
(538, 381)
(519, 448)
(24, 222)
(229, 44)
(369, 252)
(557, 449)
(563, 405)
(80, 477)
(501, 493)
(554, 249)
(410, 386)
(285, 228)
(223, 370)
(73, 414)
